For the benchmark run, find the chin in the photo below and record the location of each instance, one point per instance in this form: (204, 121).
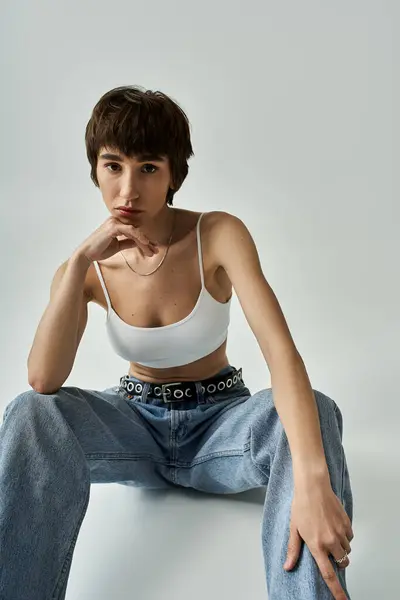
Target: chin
(130, 217)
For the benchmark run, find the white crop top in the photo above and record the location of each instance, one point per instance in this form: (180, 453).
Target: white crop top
(192, 338)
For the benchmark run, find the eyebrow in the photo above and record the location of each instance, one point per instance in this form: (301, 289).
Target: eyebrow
(141, 157)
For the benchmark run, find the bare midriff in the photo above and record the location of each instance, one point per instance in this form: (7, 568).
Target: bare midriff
(196, 371)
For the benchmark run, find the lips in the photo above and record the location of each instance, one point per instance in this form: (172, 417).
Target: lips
(128, 210)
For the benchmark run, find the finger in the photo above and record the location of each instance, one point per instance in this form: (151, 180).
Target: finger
(349, 529)
(329, 576)
(149, 250)
(339, 553)
(126, 244)
(346, 544)
(139, 236)
(293, 549)
(145, 249)
(135, 234)
(154, 247)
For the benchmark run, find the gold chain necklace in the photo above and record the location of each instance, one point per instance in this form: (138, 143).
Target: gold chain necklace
(163, 258)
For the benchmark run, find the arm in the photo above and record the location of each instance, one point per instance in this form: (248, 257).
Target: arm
(61, 327)
(317, 515)
(294, 400)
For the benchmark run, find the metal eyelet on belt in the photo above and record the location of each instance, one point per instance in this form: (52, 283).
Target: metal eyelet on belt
(132, 386)
(166, 394)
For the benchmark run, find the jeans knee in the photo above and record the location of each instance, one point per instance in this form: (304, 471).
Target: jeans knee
(329, 412)
(324, 402)
(25, 401)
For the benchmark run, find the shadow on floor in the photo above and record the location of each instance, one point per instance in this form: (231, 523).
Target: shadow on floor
(255, 496)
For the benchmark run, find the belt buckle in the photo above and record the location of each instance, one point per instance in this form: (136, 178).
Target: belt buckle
(165, 385)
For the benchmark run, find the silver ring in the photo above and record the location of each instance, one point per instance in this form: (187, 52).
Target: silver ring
(340, 560)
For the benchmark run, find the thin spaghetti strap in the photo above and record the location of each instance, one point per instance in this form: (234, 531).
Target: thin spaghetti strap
(199, 252)
(103, 285)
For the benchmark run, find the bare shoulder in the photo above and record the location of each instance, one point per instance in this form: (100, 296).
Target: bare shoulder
(210, 220)
(224, 233)
(218, 221)
(213, 224)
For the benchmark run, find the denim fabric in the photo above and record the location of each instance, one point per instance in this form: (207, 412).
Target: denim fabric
(52, 447)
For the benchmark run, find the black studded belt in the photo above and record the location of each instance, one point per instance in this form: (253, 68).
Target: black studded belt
(182, 390)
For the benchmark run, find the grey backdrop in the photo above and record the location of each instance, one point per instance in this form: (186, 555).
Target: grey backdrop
(292, 112)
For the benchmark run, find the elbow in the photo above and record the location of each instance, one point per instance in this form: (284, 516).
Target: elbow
(41, 386)
(40, 382)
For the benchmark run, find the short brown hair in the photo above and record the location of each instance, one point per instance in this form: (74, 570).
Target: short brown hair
(139, 121)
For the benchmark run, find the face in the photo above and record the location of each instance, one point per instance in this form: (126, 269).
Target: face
(139, 183)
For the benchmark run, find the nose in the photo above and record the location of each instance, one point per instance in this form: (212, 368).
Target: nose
(129, 188)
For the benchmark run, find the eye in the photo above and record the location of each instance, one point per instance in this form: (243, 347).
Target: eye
(152, 167)
(111, 165)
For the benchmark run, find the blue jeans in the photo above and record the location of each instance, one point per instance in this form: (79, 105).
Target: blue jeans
(52, 447)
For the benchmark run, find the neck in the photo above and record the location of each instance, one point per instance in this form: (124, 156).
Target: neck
(159, 227)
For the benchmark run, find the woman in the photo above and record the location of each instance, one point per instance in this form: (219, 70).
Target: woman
(182, 415)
